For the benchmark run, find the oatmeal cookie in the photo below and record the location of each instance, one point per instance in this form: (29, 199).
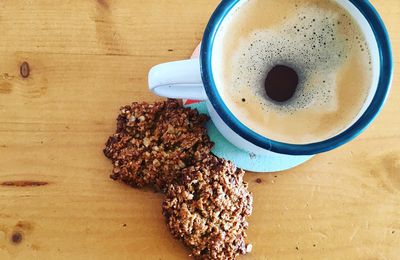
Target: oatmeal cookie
(207, 209)
(154, 142)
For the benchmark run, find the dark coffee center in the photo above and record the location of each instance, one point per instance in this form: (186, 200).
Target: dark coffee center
(281, 83)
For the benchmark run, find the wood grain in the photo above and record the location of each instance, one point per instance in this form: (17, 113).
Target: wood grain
(86, 59)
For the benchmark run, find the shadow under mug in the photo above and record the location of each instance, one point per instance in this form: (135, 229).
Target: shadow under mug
(194, 79)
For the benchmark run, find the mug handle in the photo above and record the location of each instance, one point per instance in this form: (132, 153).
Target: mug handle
(178, 79)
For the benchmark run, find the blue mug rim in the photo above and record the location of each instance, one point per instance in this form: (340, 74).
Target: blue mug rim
(384, 83)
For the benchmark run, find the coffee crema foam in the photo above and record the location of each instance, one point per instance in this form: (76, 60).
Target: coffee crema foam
(320, 41)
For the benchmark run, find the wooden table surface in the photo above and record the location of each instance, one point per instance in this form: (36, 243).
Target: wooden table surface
(86, 59)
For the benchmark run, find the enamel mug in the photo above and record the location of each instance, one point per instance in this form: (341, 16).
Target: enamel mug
(194, 79)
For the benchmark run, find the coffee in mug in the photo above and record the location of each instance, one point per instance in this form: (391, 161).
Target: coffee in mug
(295, 71)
